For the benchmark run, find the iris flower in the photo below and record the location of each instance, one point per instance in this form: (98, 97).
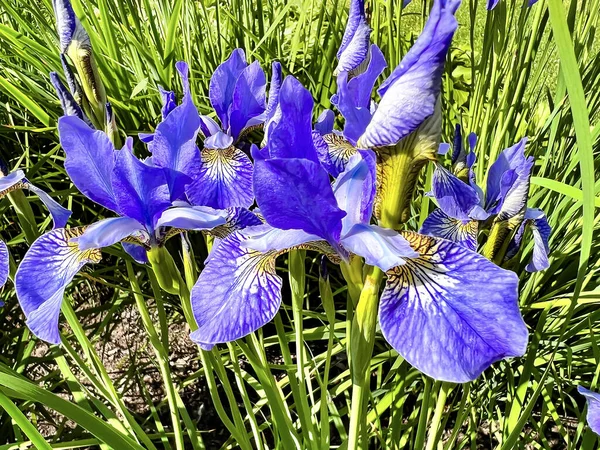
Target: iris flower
(153, 200)
(463, 207)
(12, 181)
(447, 310)
(593, 404)
(491, 4)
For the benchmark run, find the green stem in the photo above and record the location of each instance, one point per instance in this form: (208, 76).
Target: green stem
(439, 411)
(362, 340)
(24, 215)
(423, 414)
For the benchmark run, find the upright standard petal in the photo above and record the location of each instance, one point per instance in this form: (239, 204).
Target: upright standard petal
(174, 145)
(222, 85)
(410, 93)
(541, 234)
(237, 293)
(66, 22)
(4, 263)
(273, 103)
(224, 179)
(141, 191)
(169, 102)
(451, 313)
(90, 160)
(296, 194)
(325, 122)
(439, 224)
(508, 182)
(354, 43)
(248, 99)
(291, 136)
(455, 197)
(47, 268)
(593, 412)
(60, 215)
(108, 232)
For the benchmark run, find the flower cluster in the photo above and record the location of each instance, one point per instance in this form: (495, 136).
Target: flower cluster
(447, 309)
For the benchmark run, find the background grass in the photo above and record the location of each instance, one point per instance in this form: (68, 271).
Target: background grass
(505, 78)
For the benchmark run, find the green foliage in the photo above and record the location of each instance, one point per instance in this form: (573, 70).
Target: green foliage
(512, 72)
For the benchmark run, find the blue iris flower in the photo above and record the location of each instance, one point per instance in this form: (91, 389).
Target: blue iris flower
(593, 411)
(463, 206)
(151, 197)
(12, 181)
(448, 310)
(491, 4)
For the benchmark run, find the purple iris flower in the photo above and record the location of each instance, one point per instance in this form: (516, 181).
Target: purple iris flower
(593, 404)
(463, 205)
(449, 311)
(491, 4)
(12, 181)
(145, 195)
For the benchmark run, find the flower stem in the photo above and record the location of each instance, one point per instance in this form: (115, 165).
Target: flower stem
(362, 340)
(439, 411)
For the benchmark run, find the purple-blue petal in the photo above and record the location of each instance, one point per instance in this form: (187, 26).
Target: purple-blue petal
(334, 151)
(325, 121)
(237, 293)
(355, 53)
(218, 140)
(541, 234)
(380, 247)
(291, 136)
(60, 215)
(67, 102)
(248, 99)
(355, 189)
(593, 408)
(174, 145)
(410, 93)
(66, 22)
(90, 160)
(4, 263)
(439, 224)
(224, 179)
(222, 85)
(137, 252)
(9, 180)
(264, 238)
(47, 268)
(455, 197)
(296, 194)
(356, 17)
(169, 102)
(192, 218)
(451, 313)
(141, 191)
(107, 232)
(271, 116)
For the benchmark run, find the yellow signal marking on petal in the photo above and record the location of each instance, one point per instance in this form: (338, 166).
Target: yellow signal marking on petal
(340, 149)
(92, 255)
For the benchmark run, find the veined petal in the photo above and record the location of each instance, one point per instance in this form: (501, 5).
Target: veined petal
(47, 268)
(248, 98)
(224, 179)
(66, 22)
(380, 247)
(410, 93)
(208, 126)
(264, 238)
(451, 312)
(334, 151)
(593, 411)
(137, 252)
(455, 197)
(356, 117)
(273, 103)
(355, 189)
(60, 215)
(141, 191)
(4, 263)
(192, 218)
(439, 224)
(296, 194)
(360, 86)
(237, 219)
(356, 17)
(237, 293)
(108, 232)
(174, 145)
(508, 182)
(90, 160)
(222, 84)
(291, 136)
(356, 51)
